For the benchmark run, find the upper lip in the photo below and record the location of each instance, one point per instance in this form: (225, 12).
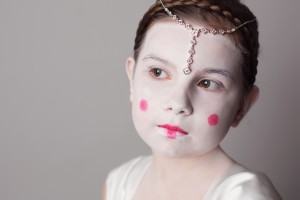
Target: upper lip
(173, 128)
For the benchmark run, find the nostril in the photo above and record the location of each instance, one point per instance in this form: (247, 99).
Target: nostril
(179, 109)
(169, 109)
(178, 106)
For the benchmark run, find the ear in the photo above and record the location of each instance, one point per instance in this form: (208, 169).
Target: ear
(246, 105)
(130, 63)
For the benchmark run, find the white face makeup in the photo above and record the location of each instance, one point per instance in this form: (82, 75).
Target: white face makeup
(179, 115)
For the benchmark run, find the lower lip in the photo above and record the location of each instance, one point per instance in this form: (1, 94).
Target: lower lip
(171, 134)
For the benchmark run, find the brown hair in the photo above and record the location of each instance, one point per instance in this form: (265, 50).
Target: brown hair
(225, 14)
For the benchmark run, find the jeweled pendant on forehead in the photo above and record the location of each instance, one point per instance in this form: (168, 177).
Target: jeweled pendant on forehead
(196, 33)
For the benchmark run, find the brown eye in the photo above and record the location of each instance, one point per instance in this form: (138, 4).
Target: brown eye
(204, 83)
(158, 73)
(209, 84)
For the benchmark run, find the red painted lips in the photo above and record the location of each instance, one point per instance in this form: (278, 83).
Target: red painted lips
(173, 128)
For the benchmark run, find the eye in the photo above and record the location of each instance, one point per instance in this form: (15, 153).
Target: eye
(158, 73)
(210, 85)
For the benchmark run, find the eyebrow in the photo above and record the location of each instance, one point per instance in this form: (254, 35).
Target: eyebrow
(153, 57)
(222, 72)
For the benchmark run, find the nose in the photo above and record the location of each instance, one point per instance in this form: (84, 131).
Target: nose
(179, 103)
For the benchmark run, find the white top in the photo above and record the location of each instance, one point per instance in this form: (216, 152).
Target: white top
(235, 184)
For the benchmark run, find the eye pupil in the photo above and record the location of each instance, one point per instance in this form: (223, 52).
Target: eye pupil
(157, 72)
(205, 83)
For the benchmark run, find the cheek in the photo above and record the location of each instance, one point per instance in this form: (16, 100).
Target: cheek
(213, 120)
(143, 105)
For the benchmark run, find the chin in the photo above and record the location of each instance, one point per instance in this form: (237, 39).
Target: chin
(176, 152)
(182, 151)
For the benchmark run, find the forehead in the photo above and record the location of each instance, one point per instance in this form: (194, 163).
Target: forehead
(170, 41)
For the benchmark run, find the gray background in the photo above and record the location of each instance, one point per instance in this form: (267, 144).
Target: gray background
(65, 116)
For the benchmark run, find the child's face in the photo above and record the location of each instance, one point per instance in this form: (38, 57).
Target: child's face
(184, 115)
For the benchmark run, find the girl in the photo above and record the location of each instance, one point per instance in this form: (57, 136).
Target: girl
(191, 79)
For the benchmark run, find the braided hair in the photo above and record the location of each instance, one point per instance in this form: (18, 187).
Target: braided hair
(225, 14)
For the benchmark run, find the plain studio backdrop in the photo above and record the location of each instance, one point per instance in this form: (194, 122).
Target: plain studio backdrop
(65, 116)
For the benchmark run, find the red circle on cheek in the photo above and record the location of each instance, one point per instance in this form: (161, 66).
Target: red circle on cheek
(213, 120)
(143, 105)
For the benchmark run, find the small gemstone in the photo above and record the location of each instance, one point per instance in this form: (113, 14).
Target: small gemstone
(187, 71)
(195, 33)
(187, 26)
(213, 31)
(193, 41)
(191, 51)
(180, 21)
(190, 60)
(174, 17)
(221, 31)
(204, 30)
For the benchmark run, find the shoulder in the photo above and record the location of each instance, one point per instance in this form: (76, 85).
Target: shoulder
(124, 177)
(249, 185)
(123, 170)
(246, 185)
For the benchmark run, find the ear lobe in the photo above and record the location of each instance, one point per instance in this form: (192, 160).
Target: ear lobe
(130, 64)
(246, 105)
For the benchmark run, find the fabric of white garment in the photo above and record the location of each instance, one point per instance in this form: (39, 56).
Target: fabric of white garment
(237, 183)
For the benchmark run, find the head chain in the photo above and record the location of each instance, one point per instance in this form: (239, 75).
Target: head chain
(196, 33)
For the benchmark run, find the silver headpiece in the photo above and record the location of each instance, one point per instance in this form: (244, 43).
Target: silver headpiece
(196, 33)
